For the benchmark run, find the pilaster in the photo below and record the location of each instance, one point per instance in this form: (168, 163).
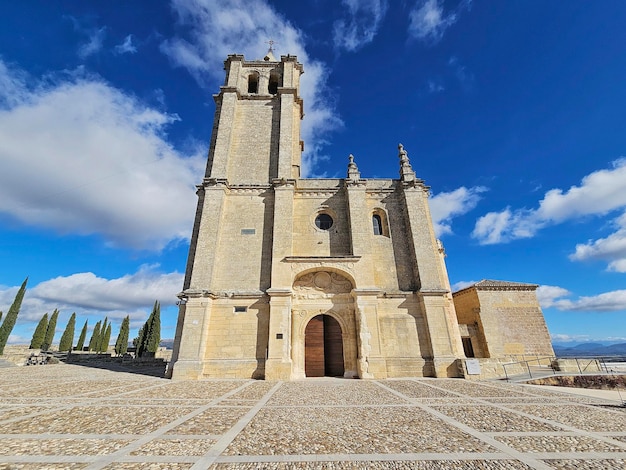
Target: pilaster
(278, 365)
(191, 349)
(227, 101)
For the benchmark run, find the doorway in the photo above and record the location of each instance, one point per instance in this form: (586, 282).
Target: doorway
(323, 348)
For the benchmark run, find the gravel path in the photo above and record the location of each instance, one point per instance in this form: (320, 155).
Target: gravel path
(74, 417)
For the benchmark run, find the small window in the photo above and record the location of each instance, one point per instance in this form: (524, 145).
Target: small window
(378, 224)
(241, 309)
(324, 221)
(248, 231)
(253, 82)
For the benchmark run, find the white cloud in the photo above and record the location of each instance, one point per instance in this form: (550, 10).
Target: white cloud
(94, 44)
(435, 86)
(127, 47)
(553, 296)
(457, 286)
(444, 206)
(598, 194)
(565, 338)
(214, 29)
(80, 156)
(611, 248)
(90, 295)
(360, 25)
(548, 295)
(427, 20)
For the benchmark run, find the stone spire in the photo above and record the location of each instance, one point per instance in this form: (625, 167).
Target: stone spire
(354, 175)
(406, 170)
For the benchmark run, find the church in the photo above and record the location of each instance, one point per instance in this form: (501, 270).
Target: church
(290, 277)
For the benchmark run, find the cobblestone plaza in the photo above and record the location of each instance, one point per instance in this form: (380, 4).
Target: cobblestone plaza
(75, 417)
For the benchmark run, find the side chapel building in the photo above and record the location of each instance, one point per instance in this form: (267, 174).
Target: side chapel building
(291, 277)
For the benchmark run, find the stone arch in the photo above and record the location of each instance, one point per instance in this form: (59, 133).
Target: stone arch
(323, 291)
(341, 272)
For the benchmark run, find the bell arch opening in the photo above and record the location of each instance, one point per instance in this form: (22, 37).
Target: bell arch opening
(323, 348)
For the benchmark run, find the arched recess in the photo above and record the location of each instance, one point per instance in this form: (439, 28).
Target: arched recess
(323, 293)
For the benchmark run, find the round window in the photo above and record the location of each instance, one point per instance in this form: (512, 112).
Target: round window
(324, 221)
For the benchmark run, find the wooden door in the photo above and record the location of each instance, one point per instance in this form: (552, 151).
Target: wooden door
(323, 347)
(333, 347)
(314, 347)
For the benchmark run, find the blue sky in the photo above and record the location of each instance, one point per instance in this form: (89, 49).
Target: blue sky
(513, 112)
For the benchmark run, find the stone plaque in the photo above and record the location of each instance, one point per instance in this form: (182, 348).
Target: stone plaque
(473, 366)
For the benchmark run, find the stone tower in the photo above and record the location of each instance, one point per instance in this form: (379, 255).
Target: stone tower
(290, 277)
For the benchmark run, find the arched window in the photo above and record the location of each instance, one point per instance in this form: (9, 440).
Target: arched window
(378, 224)
(274, 83)
(253, 82)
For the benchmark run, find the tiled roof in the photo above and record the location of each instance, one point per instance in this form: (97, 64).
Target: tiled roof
(490, 284)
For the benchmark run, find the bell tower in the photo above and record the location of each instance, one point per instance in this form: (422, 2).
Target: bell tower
(255, 147)
(256, 134)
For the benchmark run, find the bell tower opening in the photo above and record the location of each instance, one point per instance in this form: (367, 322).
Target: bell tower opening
(323, 348)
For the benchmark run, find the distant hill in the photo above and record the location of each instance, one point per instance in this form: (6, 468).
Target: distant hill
(590, 349)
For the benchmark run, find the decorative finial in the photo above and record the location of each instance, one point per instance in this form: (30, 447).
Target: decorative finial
(406, 170)
(353, 171)
(271, 42)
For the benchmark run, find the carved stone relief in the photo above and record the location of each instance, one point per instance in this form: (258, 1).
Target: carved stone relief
(321, 284)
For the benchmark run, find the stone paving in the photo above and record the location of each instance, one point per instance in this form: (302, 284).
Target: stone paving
(75, 417)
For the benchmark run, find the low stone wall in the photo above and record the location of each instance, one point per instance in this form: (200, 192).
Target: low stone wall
(490, 368)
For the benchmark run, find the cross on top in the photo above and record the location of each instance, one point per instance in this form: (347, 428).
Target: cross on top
(271, 42)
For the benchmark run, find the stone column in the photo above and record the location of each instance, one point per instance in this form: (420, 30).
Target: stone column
(278, 365)
(195, 330)
(370, 363)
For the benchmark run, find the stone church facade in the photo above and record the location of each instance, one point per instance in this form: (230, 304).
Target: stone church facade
(291, 277)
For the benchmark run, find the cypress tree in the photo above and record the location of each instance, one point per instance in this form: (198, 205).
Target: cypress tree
(0, 314)
(121, 345)
(154, 335)
(52, 324)
(39, 333)
(103, 329)
(67, 340)
(95, 337)
(10, 319)
(143, 336)
(81, 339)
(106, 338)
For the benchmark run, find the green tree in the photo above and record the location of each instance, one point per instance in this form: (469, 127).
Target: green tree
(154, 336)
(0, 314)
(81, 339)
(52, 324)
(67, 340)
(10, 319)
(137, 340)
(151, 332)
(39, 333)
(95, 337)
(103, 329)
(106, 338)
(121, 345)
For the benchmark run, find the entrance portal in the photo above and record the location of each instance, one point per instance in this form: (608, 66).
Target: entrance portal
(323, 347)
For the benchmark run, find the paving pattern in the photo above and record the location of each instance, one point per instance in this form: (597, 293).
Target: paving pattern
(75, 417)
